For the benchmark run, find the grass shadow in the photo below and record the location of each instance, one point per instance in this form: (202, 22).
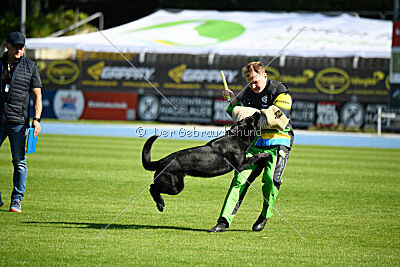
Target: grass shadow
(101, 226)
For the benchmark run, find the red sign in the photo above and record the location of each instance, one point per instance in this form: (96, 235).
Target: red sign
(396, 34)
(110, 106)
(327, 114)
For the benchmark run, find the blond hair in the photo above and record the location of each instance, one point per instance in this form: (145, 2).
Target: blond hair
(255, 66)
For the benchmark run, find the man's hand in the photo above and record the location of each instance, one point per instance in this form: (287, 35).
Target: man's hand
(229, 95)
(37, 126)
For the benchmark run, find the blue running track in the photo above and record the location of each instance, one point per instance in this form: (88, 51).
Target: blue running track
(206, 133)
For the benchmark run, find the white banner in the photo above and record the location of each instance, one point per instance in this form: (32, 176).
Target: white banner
(238, 33)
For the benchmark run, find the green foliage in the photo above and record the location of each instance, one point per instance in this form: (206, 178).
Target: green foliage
(41, 21)
(44, 25)
(9, 22)
(345, 201)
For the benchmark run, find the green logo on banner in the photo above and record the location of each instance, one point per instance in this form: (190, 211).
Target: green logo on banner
(219, 30)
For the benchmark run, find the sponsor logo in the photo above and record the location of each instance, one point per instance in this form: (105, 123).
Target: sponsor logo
(204, 32)
(327, 114)
(100, 71)
(272, 73)
(303, 113)
(110, 106)
(176, 73)
(41, 65)
(352, 114)
(68, 104)
(264, 99)
(148, 108)
(62, 72)
(278, 114)
(95, 70)
(377, 76)
(332, 81)
(107, 105)
(186, 109)
(387, 85)
(182, 74)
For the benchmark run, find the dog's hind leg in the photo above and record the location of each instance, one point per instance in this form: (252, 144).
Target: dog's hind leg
(166, 183)
(157, 197)
(176, 184)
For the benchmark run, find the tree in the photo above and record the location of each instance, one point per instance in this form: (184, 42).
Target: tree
(42, 20)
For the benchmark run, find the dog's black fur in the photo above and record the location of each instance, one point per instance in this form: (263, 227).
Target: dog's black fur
(213, 159)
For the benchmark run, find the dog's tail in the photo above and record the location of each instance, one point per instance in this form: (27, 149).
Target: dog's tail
(146, 154)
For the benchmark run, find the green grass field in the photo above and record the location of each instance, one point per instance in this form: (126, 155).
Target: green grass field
(345, 201)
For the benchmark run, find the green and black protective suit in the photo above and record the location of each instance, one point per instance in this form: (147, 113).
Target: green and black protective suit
(275, 142)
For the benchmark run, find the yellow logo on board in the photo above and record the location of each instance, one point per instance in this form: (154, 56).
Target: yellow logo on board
(273, 74)
(95, 70)
(176, 73)
(332, 81)
(387, 83)
(62, 72)
(41, 65)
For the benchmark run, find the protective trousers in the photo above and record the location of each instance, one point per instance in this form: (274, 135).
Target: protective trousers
(272, 180)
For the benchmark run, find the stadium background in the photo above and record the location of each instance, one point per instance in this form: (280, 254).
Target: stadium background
(74, 87)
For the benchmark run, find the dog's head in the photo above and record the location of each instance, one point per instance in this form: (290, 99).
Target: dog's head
(246, 129)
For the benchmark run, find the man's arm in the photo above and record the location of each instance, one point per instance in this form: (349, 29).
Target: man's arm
(284, 102)
(283, 99)
(38, 106)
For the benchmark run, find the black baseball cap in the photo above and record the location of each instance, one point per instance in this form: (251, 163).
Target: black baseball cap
(15, 38)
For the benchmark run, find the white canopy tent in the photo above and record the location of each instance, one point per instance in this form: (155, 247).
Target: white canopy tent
(237, 33)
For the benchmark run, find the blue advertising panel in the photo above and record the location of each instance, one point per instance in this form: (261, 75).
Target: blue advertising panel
(47, 100)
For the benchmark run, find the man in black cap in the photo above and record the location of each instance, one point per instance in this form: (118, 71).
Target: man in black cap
(19, 79)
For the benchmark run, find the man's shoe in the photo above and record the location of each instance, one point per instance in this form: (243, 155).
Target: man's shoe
(15, 205)
(220, 227)
(259, 224)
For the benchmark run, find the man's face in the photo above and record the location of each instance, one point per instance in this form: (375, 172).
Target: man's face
(257, 81)
(15, 51)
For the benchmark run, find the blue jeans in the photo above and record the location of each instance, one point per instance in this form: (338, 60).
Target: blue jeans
(17, 135)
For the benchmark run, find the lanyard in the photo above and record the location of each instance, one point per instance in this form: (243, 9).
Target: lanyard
(9, 72)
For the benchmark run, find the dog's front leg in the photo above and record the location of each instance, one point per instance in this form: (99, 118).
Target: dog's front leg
(249, 161)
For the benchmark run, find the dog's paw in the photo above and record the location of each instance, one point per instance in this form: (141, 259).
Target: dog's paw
(160, 206)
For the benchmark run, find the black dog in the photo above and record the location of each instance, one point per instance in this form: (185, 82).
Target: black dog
(217, 157)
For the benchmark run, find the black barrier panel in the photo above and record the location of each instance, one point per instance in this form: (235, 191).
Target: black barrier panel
(394, 96)
(303, 114)
(351, 114)
(176, 109)
(309, 79)
(333, 83)
(325, 90)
